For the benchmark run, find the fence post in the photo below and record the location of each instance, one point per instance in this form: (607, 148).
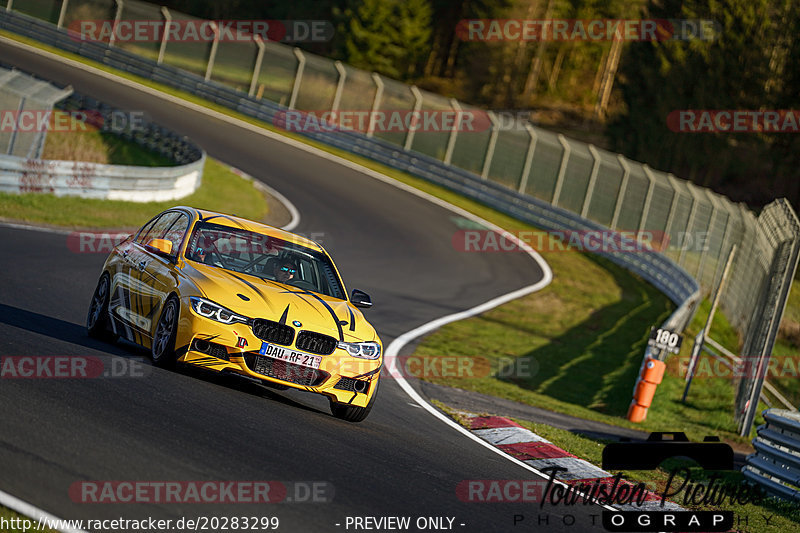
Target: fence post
(712, 219)
(298, 77)
(487, 160)
(117, 18)
(337, 97)
(62, 13)
(689, 223)
(672, 207)
(626, 170)
(648, 198)
(417, 107)
(13, 139)
(451, 140)
(167, 25)
(592, 180)
(562, 169)
(257, 68)
(526, 170)
(9, 4)
(375, 103)
(212, 56)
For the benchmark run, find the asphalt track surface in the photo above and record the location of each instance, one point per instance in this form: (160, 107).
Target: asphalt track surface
(186, 425)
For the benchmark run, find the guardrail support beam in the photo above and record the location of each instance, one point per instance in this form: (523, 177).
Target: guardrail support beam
(487, 159)
(417, 106)
(337, 98)
(626, 171)
(451, 139)
(61, 14)
(212, 56)
(526, 169)
(376, 103)
(257, 67)
(562, 169)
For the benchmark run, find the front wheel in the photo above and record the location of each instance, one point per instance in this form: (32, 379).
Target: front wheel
(97, 319)
(352, 413)
(163, 348)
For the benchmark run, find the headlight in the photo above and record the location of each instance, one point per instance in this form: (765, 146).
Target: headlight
(364, 350)
(208, 309)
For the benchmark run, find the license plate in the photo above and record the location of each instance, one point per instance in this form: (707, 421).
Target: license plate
(290, 356)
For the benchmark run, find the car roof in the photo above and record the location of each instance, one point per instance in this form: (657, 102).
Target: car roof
(233, 221)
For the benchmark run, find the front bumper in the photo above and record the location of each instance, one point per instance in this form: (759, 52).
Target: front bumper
(235, 349)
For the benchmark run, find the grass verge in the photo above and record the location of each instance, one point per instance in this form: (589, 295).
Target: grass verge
(221, 190)
(770, 514)
(94, 146)
(14, 522)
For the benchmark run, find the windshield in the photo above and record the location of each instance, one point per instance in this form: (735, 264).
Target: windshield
(266, 257)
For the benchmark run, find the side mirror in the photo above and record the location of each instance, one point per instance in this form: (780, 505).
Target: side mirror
(360, 299)
(160, 247)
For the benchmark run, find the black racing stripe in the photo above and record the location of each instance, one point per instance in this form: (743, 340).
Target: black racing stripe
(285, 315)
(226, 217)
(353, 398)
(332, 312)
(328, 307)
(258, 291)
(370, 373)
(352, 319)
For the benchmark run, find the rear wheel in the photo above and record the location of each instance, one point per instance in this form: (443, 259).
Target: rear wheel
(352, 413)
(163, 348)
(97, 319)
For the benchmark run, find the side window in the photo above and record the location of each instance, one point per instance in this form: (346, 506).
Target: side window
(158, 229)
(143, 232)
(176, 232)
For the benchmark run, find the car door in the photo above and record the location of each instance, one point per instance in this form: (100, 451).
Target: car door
(142, 287)
(158, 272)
(123, 279)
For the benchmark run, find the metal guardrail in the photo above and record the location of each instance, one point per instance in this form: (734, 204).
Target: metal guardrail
(110, 182)
(775, 465)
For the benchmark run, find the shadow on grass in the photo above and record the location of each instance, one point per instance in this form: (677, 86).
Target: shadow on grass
(595, 363)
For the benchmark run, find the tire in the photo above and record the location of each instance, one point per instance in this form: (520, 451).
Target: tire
(97, 318)
(162, 350)
(352, 413)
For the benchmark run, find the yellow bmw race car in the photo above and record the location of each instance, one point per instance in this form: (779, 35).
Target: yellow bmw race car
(232, 295)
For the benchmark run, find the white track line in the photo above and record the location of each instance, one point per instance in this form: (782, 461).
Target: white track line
(396, 345)
(39, 516)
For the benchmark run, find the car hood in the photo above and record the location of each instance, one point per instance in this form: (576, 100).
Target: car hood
(258, 298)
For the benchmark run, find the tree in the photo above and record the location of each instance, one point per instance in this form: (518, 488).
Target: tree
(388, 36)
(729, 72)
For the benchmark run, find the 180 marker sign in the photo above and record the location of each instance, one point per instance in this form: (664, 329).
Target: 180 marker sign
(664, 339)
